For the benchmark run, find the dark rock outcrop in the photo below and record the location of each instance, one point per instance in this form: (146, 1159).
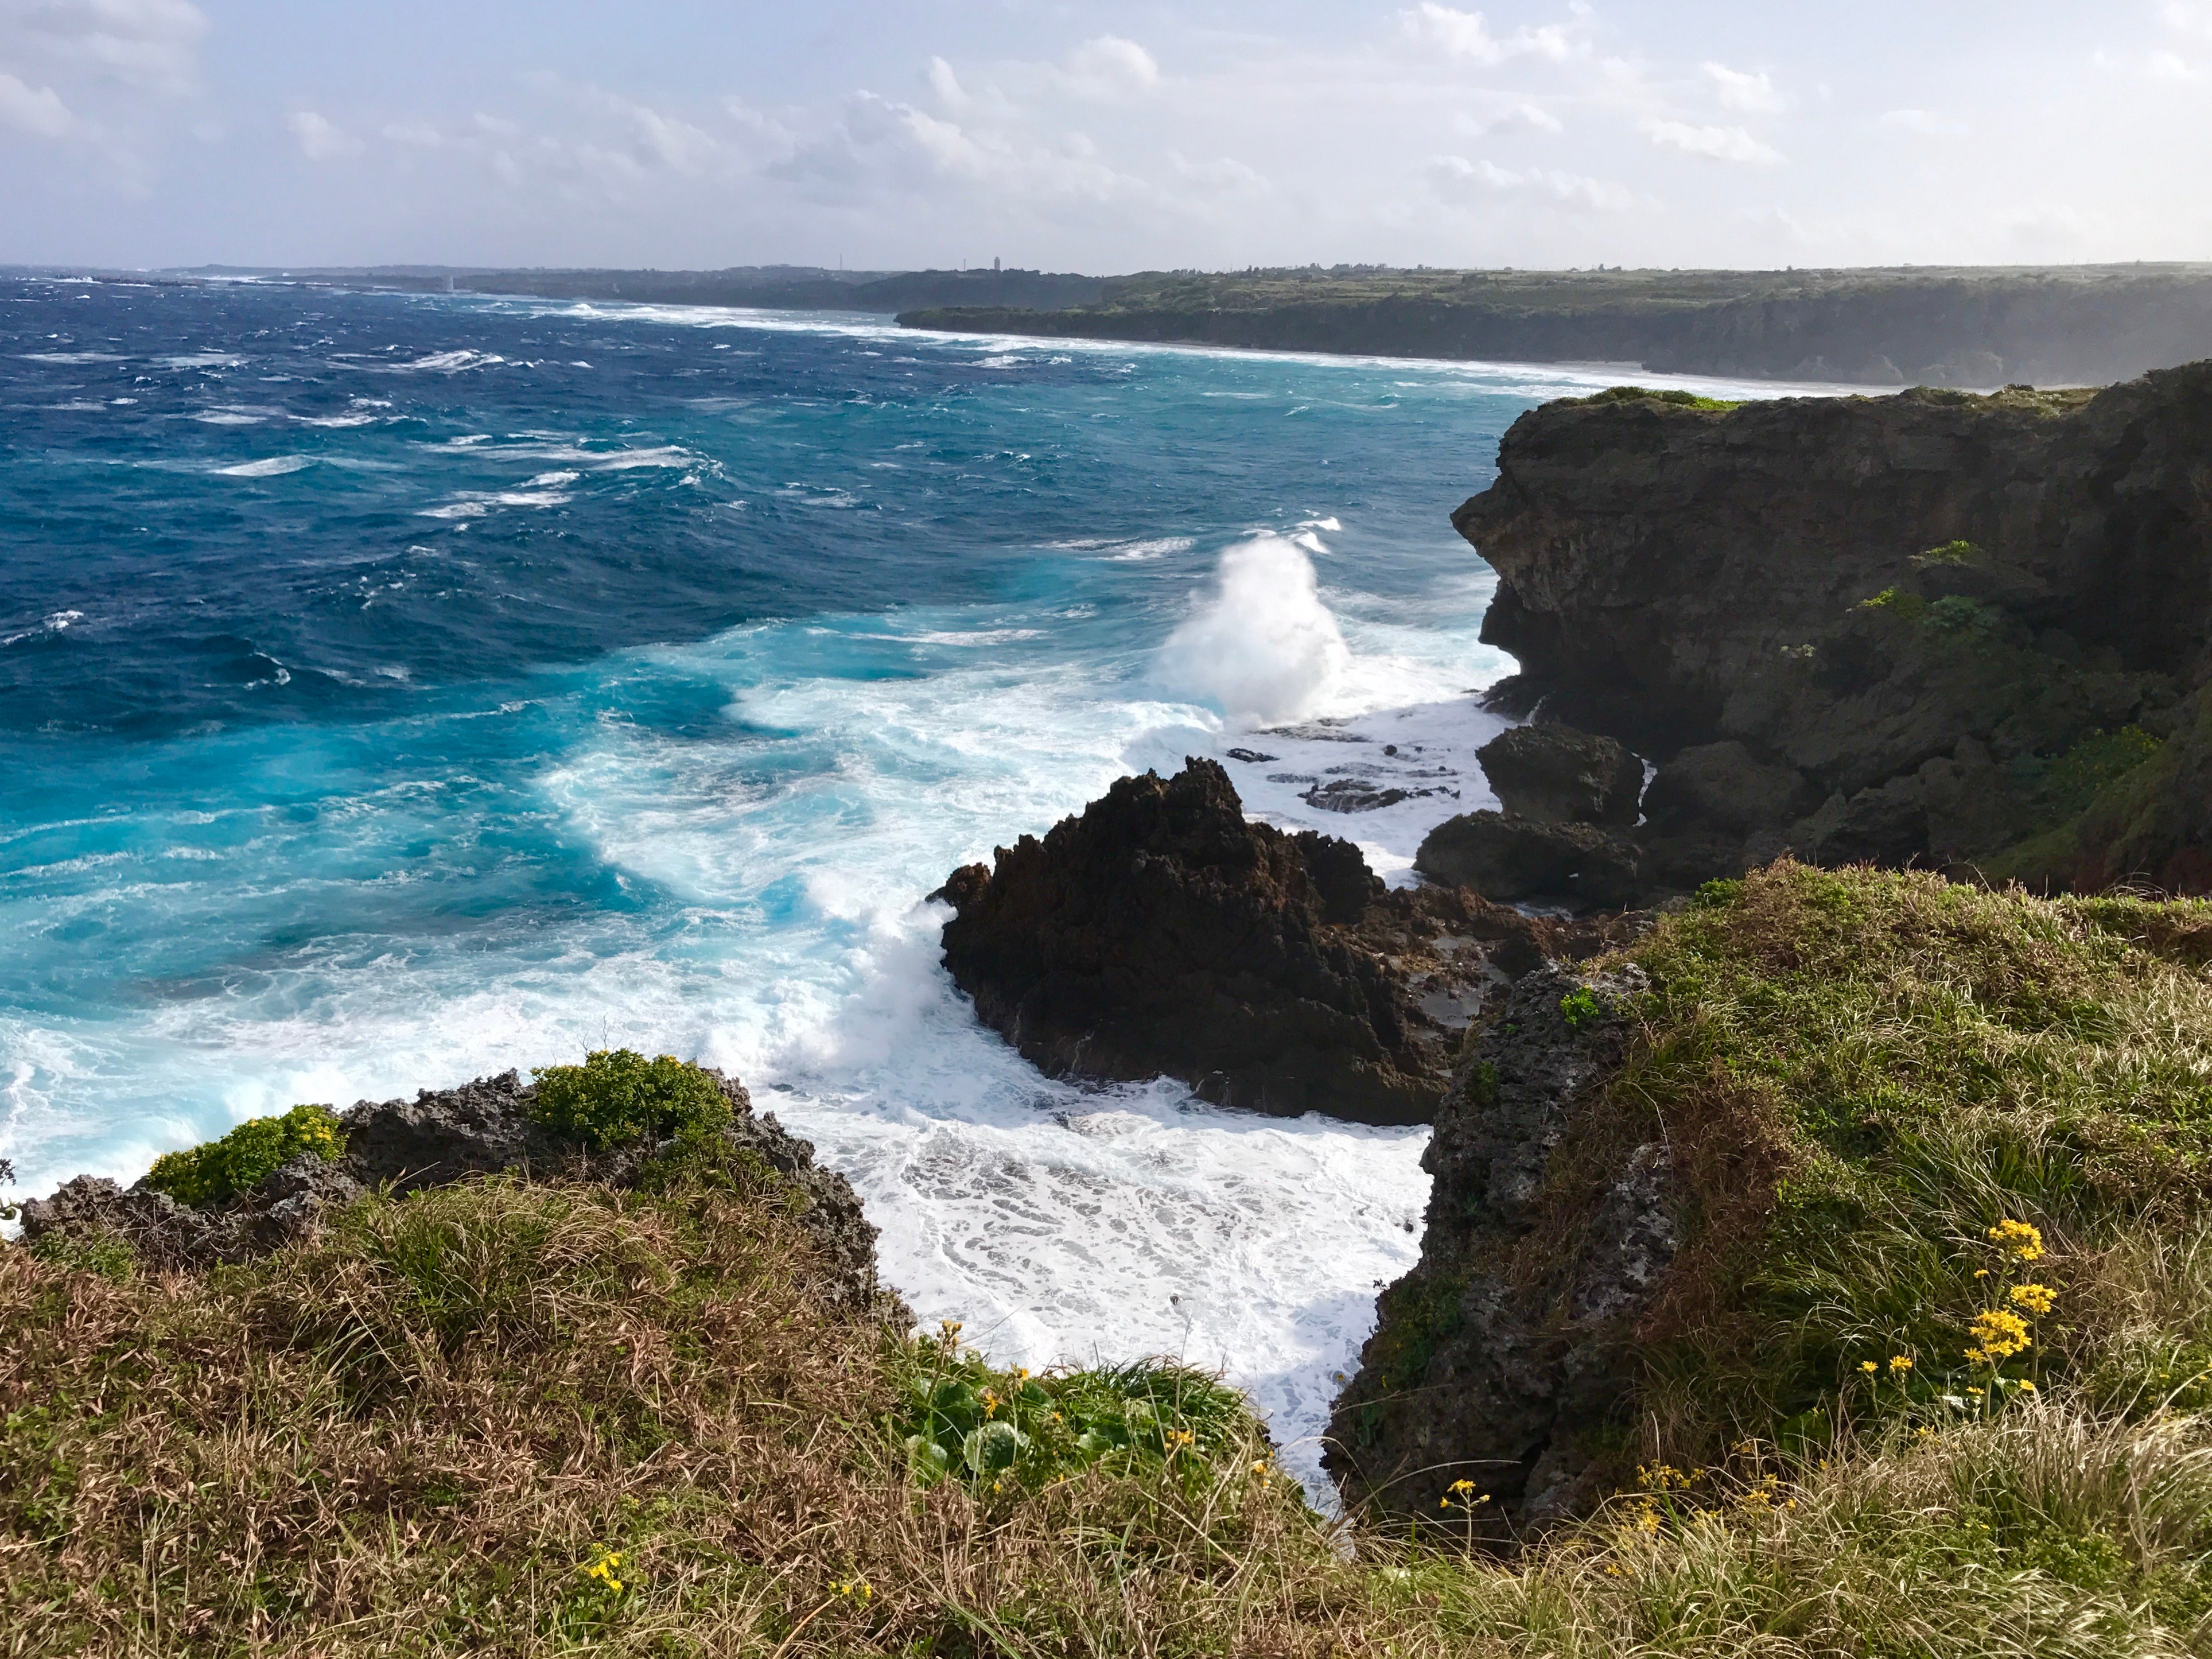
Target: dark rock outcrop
(1556, 775)
(482, 1127)
(1909, 630)
(1511, 858)
(1504, 1356)
(1160, 935)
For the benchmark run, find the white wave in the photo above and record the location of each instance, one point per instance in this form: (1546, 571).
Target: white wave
(445, 362)
(80, 406)
(205, 360)
(228, 417)
(1263, 646)
(71, 357)
(53, 622)
(474, 504)
(337, 420)
(1142, 552)
(275, 467)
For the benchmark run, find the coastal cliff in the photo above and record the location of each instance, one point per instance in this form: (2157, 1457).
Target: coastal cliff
(1927, 325)
(1934, 627)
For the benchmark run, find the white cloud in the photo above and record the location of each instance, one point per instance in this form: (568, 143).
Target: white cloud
(419, 135)
(1466, 35)
(1927, 122)
(321, 138)
(2189, 19)
(1224, 176)
(1529, 116)
(1457, 179)
(2170, 66)
(1110, 66)
(152, 44)
(946, 85)
(1740, 89)
(1720, 144)
(40, 114)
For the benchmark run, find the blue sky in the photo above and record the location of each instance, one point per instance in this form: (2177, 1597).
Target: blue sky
(1103, 138)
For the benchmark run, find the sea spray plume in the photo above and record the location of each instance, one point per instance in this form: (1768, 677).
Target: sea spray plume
(1263, 647)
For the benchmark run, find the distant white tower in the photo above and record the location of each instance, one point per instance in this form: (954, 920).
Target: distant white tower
(994, 261)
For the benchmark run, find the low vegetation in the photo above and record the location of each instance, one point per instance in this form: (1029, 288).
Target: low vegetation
(1954, 1136)
(617, 1095)
(220, 1169)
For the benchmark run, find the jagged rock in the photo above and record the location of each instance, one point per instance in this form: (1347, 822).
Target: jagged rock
(1160, 935)
(1556, 775)
(1920, 606)
(1512, 858)
(1505, 1356)
(482, 1127)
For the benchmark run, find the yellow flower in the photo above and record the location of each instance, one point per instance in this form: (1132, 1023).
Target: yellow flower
(1998, 1333)
(1900, 1362)
(2018, 1239)
(2026, 1386)
(2036, 1298)
(1868, 1366)
(1981, 1273)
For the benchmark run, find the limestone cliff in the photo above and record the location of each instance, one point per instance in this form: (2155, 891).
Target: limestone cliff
(1924, 627)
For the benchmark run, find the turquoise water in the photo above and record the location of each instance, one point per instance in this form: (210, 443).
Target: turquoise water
(395, 689)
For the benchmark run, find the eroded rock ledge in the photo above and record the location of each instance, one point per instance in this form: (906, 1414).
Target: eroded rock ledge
(1160, 935)
(482, 1127)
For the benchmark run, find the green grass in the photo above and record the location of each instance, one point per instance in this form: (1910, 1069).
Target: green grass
(1674, 395)
(1864, 1074)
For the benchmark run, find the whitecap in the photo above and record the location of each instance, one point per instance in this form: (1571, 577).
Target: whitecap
(71, 357)
(445, 362)
(205, 359)
(276, 466)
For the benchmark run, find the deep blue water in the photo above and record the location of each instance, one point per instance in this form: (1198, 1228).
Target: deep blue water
(395, 687)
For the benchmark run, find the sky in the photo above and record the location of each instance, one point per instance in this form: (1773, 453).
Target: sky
(1076, 136)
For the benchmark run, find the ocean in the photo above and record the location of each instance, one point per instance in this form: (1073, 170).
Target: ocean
(395, 689)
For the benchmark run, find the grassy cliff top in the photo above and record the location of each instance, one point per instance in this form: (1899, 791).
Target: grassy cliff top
(506, 1418)
(1290, 284)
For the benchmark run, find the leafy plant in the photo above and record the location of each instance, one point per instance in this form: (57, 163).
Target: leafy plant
(962, 1419)
(218, 1171)
(618, 1095)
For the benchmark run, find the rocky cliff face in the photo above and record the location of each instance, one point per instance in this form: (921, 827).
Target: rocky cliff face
(482, 1127)
(1160, 935)
(1920, 628)
(1504, 1357)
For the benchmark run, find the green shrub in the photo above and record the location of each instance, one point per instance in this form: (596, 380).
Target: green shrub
(960, 1419)
(219, 1170)
(2076, 776)
(618, 1095)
